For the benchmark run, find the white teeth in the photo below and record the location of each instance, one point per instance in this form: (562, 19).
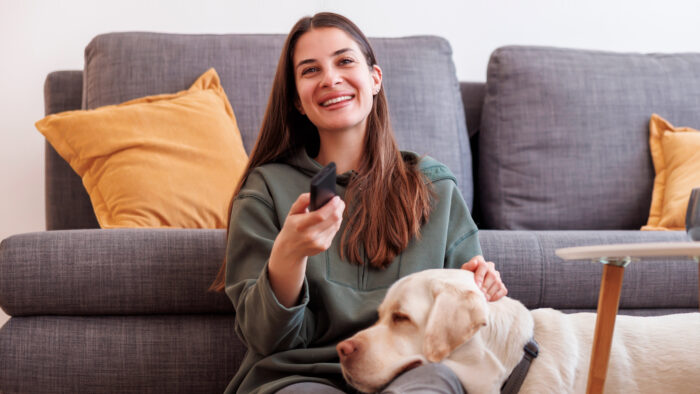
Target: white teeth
(335, 100)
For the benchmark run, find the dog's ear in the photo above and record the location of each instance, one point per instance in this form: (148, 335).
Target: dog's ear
(456, 316)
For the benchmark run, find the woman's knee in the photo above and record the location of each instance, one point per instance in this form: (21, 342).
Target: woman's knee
(428, 378)
(309, 388)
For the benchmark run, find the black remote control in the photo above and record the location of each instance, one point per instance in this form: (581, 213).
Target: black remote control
(322, 187)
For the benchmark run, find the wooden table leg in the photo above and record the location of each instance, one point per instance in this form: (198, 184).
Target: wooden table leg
(608, 302)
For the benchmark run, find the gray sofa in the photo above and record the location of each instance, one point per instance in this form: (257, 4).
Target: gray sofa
(552, 151)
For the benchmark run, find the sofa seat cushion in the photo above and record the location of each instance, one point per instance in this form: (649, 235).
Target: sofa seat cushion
(564, 135)
(112, 272)
(534, 274)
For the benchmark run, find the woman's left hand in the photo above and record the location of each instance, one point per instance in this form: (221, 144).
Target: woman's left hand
(486, 277)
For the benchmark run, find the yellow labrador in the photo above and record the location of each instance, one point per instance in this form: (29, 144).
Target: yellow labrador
(441, 316)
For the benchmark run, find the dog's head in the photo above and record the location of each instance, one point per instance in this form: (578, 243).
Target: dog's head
(423, 318)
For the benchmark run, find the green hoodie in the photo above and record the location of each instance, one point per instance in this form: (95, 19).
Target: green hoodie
(291, 345)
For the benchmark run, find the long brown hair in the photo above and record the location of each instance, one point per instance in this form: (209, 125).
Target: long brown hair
(388, 198)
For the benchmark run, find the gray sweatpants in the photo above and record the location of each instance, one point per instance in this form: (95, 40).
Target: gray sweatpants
(429, 378)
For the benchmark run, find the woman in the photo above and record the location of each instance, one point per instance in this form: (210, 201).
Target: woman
(302, 281)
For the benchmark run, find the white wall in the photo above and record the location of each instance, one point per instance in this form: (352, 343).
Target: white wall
(37, 37)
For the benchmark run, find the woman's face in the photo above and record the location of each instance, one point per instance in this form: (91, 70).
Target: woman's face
(334, 83)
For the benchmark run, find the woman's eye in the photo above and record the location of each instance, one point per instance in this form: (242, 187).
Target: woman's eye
(346, 61)
(308, 70)
(400, 318)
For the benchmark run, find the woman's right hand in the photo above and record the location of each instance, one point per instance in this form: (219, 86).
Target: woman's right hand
(307, 233)
(303, 234)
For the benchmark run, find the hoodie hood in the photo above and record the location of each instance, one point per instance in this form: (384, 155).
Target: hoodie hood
(308, 166)
(431, 168)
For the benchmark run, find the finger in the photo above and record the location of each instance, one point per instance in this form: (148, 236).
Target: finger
(473, 263)
(470, 265)
(493, 290)
(497, 288)
(333, 204)
(329, 226)
(480, 274)
(499, 294)
(323, 239)
(331, 214)
(479, 259)
(300, 205)
(338, 208)
(492, 276)
(489, 281)
(327, 235)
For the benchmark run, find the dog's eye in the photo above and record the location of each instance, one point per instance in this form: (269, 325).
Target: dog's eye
(400, 318)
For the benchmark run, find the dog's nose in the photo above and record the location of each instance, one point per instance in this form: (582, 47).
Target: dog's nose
(346, 348)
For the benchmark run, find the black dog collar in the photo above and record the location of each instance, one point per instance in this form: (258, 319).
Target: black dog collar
(517, 377)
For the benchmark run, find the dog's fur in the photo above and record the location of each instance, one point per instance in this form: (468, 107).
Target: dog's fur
(441, 316)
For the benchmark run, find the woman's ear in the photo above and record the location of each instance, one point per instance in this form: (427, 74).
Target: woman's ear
(376, 79)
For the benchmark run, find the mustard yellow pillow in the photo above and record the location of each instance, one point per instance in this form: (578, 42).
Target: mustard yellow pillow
(170, 160)
(676, 155)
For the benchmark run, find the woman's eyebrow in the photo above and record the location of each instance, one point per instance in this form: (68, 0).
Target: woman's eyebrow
(336, 53)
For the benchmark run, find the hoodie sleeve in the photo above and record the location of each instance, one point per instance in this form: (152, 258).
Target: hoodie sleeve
(262, 322)
(462, 239)
(463, 235)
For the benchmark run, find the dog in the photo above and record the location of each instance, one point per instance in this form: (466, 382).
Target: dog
(440, 315)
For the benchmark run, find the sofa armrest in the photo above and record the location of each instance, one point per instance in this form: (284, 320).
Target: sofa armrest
(112, 272)
(538, 278)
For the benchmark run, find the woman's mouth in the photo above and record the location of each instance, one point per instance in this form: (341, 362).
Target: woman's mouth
(336, 100)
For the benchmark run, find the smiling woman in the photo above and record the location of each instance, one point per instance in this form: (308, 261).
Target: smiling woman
(302, 281)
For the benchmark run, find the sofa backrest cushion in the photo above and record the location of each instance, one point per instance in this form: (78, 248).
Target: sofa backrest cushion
(419, 79)
(564, 139)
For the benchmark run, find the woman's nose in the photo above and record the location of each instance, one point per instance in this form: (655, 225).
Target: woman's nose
(331, 77)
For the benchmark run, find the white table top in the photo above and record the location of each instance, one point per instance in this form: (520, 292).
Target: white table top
(690, 249)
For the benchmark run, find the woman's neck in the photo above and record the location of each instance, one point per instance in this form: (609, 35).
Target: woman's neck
(343, 148)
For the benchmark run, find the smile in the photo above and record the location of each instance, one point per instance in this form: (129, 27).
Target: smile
(335, 100)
